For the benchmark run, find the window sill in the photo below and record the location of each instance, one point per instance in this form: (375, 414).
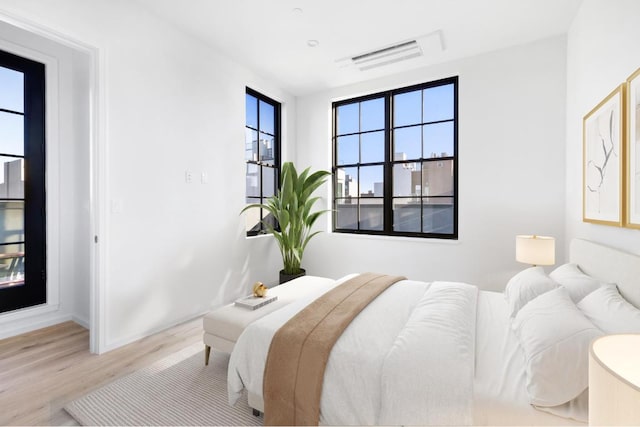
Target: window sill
(258, 236)
(405, 239)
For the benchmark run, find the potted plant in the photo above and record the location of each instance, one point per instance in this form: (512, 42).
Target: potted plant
(291, 208)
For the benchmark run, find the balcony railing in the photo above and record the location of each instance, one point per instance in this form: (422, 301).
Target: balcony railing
(11, 269)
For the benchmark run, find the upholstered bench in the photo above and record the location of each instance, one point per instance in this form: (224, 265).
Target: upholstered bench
(223, 326)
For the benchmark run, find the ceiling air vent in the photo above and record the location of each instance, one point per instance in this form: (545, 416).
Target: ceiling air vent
(426, 47)
(388, 55)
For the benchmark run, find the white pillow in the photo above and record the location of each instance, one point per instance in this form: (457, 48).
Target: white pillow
(525, 286)
(555, 337)
(575, 281)
(609, 311)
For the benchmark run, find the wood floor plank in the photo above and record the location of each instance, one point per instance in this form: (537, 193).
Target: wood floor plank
(42, 371)
(42, 355)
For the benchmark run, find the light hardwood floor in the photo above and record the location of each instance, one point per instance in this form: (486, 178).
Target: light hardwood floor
(43, 370)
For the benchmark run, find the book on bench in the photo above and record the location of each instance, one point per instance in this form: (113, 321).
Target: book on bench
(252, 302)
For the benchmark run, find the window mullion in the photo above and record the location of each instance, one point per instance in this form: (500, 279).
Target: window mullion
(259, 177)
(359, 217)
(421, 161)
(455, 159)
(277, 146)
(388, 167)
(358, 197)
(334, 166)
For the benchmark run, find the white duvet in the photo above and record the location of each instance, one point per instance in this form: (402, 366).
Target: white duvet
(408, 357)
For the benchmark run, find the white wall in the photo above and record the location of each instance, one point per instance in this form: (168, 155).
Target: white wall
(511, 160)
(67, 155)
(172, 104)
(602, 51)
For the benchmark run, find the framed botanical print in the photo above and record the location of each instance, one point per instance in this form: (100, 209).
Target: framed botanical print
(602, 164)
(632, 217)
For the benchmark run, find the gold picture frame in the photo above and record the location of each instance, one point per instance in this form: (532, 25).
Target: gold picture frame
(603, 165)
(632, 151)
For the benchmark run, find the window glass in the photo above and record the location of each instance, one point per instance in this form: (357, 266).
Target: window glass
(251, 111)
(11, 265)
(346, 180)
(371, 181)
(347, 214)
(437, 140)
(407, 108)
(253, 180)
(438, 215)
(268, 182)
(371, 214)
(438, 103)
(12, 93)
(406, 215)
(11, 178)
(266, 148)
(348, 119)
(12, 218)
(250, 145)
(11, 133)
(437, 178)
(372, 115)
(267, 123)
(407, 143)
(252, 216)
(348, 150)
(406, 179)
(372, 147)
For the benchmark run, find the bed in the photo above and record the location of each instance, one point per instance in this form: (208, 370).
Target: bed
(496, 391)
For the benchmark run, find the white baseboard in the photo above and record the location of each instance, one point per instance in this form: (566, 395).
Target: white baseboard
(80, 321)
(122, 342)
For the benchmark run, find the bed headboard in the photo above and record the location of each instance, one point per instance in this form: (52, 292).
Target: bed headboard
(610, 265)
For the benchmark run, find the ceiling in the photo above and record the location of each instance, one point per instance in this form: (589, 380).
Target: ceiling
(271, 36)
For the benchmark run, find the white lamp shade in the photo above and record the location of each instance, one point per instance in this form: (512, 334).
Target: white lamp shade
(536, 250)
(614, 380)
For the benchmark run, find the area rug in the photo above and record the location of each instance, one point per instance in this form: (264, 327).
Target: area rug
(178, 390)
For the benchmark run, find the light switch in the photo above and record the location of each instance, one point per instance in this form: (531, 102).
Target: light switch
(204, 178)
(188, 177)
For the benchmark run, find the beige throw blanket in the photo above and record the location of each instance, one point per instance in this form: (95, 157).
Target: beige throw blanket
(300, 349)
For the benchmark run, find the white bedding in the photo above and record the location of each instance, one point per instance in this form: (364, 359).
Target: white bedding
(430, 339)
(500, 396)
(497, 391)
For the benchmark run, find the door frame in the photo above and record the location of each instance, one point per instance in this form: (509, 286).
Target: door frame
(97, 174)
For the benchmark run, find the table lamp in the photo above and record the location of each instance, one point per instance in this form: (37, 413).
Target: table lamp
(536, 250)
(614, 380)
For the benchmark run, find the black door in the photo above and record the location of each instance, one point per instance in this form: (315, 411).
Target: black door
(22, 183)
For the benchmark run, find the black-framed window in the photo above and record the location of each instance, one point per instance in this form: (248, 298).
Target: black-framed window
(395, 162)
(262, 155)
(22, 183)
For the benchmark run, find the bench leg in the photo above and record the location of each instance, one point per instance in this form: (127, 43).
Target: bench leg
(207, 353)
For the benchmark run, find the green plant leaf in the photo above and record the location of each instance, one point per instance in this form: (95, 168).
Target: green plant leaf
(251, 206)
(283, 219)
(292, 208)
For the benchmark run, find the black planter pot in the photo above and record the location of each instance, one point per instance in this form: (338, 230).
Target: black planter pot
(286, 277)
